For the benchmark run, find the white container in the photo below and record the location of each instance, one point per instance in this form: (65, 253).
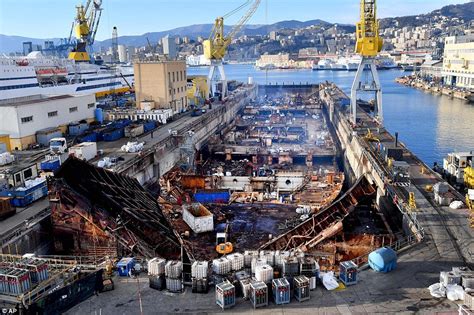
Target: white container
(264, 273)
(173, 269)
(156, 266)
(245, 285)
(248, 256)
(85, 151)
(236, 261)
(312, 283)
(198, 218)
(258, 262)
(279, 256)
(221, 266)
(199, 269)
(269, 256)
(174, 285)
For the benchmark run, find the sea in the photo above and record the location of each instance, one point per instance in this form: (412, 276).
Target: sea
(429, 125)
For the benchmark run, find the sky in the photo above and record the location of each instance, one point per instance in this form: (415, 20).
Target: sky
(53, 18)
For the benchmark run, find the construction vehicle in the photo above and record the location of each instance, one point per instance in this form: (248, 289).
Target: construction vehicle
(86, 24)
(223, 246)
(215, 48)
(368, 45)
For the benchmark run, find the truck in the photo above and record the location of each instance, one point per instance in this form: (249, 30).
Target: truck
(85, 151)
(58, 145)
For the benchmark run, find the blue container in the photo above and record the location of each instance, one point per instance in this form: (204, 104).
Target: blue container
(50, 165)
(113, 135)
(121, 123)
(222, 196)
(125, 265)
(23, 198)
(149, 125)
(348, 272)
(76, 129)
(383, 259)
(281, 291)
(88, 137)
(99, 115)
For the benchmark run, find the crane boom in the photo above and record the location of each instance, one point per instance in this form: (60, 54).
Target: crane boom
(369, 43)
(215, 47)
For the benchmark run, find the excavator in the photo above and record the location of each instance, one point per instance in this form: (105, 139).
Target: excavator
(223, 246)
(215, 48)
(86, 24)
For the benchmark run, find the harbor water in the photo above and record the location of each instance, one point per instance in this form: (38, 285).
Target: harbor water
(429, 125)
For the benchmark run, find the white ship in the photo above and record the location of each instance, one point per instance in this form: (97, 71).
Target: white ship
(346, 64)
(323, 64)
(38, 74)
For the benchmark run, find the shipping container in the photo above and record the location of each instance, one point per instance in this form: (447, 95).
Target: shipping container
(90, 136)
(113, 134)
(134, 130)
(23, 196)
(51, 163)
(85, 151)
(77, 128)
(198, 218)
(212, 196)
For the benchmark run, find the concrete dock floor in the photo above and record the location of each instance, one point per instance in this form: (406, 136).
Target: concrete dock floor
(403, 291)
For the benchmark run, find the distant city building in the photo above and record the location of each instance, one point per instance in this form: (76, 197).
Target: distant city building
(280, 60)
(122, 53)
(27, 48)
(432, 70)
(458, 62)
(161, 85)
(273, 35)
(169, 47)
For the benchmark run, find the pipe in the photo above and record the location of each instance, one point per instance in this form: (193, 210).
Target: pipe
(396, 139)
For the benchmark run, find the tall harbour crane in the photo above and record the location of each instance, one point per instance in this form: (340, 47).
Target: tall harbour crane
(86, 25)
(368, 45)
(215, 47)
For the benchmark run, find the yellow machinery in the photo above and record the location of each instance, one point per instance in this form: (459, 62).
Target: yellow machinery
(86, 24)
(469, 177)
(215, 47)
(371, 137)
(412, 201)
(470, 206)
(224, 247)
(368, 45)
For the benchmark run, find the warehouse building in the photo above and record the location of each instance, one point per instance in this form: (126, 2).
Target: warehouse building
(161, 85)
(21, 118)
(458, 63)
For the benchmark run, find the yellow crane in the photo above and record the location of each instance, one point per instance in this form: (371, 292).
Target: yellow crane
(86, 24)
(215, 47)
(368, 45)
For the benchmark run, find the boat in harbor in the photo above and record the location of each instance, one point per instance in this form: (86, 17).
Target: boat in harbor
(39, 74)
(323, 64)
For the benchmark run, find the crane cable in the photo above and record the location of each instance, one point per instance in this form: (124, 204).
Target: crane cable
(237, 9)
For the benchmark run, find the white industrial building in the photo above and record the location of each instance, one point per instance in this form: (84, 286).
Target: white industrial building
(22, 117)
